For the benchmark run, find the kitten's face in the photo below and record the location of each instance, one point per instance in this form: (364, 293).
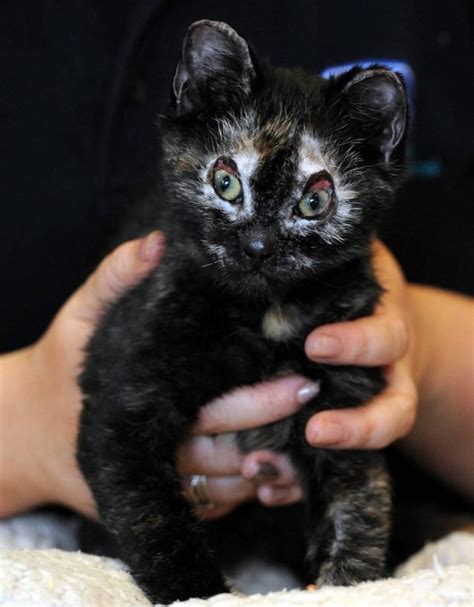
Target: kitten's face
(269, 172)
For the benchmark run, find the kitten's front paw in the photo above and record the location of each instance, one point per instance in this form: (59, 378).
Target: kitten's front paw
(348, 571)
(167, 591)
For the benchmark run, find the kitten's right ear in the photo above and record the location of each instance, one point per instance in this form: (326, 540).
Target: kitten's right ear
(215, 68)
(376, 101)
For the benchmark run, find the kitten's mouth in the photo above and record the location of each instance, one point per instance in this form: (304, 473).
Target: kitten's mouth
(249, 276)
(258, 280)
(257, 268)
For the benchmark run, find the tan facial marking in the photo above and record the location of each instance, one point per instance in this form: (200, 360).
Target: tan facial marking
(187, 163)
(272, 135)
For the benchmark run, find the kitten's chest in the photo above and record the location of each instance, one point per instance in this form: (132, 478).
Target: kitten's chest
(275, 334)
(282, 323)
(221, 340)
(282, 330)
(230, 343)
(273, 340)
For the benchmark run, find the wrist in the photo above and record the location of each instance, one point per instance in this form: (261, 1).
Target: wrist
(441, 439)
(38, 425)
(421, 347)
(442, 324)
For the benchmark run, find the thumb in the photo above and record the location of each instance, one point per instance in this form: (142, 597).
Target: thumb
(120, 270)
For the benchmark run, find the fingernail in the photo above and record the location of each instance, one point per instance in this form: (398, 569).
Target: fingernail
(151, 247)
(327, 433)
(266, 472)
(325, 346)
(307, 392)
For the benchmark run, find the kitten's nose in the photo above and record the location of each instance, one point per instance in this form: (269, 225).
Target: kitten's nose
(258, 246)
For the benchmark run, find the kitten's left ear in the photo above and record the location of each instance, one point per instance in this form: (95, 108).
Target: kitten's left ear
(378, 104)
(215, 68)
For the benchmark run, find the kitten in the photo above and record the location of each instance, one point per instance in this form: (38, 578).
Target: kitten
(271, 185)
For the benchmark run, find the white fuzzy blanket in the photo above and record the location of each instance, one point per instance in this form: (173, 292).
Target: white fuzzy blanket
(35, 573)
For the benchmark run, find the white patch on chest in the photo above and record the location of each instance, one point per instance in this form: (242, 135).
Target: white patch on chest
(280, 323)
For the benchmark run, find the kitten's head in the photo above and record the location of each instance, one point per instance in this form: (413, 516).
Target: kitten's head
(277, 174)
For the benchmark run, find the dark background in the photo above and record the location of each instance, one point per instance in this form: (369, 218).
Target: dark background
(83, 80)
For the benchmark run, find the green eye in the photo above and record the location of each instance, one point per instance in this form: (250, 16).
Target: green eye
(315, 204)
(226, 185)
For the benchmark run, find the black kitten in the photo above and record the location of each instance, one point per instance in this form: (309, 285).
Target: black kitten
(270, 188)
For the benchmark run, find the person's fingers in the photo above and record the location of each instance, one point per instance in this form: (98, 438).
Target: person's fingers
(378, 339)
(211, 455)
(215, 512)
(121, 269)
(219, 456)
(268, 467)
(275, 477)
(230, 490)
(233, 478)
(257, 405)
(270, 495)
(385, 418)
(224, 494)
(370, 341)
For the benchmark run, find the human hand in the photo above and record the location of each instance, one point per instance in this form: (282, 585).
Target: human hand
(40, 400)
(232, 477)
(383, 339)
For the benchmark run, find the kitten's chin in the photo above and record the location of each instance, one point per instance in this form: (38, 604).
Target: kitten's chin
(253, 285)
(251, 280)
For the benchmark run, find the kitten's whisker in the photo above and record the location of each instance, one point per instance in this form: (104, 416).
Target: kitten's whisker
(211, 263)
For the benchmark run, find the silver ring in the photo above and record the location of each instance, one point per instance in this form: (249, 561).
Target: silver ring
(197, 492)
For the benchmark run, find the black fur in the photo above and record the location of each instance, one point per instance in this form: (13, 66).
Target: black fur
(193, 329)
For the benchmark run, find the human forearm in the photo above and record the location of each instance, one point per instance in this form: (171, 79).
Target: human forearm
(39, 397)
(442, 439)
(19, 483)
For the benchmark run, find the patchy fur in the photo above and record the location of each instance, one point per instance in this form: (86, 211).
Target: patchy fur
(216, 315)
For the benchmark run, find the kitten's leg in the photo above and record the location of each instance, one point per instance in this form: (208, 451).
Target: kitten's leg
(349, 508)
(129, 464)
